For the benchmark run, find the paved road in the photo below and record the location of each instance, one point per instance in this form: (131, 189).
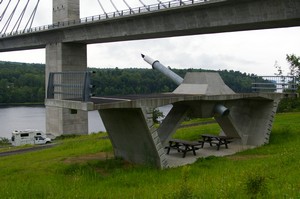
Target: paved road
(20, 151)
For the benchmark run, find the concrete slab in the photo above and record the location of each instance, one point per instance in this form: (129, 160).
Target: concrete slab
(175, 159)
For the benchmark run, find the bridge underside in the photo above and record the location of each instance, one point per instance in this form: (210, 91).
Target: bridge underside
(208, 17)
(128, 120)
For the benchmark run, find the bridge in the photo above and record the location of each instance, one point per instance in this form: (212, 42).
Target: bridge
(174, 18)
(66, 39)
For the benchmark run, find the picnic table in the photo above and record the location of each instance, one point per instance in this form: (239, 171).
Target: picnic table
(183, 146)
(216, 139)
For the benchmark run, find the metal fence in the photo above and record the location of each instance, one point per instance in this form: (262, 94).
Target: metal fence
(275, 84)
(69, 86)
(105, 16)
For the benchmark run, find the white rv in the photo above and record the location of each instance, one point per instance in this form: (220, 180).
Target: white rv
(29, 136)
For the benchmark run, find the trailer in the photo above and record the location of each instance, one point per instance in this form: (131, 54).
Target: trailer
(29, 136)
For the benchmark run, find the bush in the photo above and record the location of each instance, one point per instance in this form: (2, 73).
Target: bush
(4, 141)
(289, 105)
(256, 184)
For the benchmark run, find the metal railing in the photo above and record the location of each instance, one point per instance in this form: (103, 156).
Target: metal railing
(275, 84)
(106, 16)
(69, 86)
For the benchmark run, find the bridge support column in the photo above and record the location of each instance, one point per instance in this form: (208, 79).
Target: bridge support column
(133, 136)
(61, 58)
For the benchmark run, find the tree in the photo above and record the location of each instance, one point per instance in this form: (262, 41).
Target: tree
(156, 115)
(290, 104)
(294, 62)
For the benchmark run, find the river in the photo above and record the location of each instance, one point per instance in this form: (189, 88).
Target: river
(33, 117)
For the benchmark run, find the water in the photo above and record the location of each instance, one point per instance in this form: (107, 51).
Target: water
(20, 118)
(24, 117)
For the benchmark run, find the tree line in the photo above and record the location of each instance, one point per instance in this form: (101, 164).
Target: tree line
(144, 81)
(22, 82)
(25, 82)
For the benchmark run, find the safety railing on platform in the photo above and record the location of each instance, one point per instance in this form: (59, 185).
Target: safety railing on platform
(138, 10)
(275, 84)
(69, 86)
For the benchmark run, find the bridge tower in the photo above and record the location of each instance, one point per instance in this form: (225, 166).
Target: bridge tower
(63, 57)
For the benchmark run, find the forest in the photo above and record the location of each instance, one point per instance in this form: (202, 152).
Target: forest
(25, 82)
(144, 81)
(22, 82)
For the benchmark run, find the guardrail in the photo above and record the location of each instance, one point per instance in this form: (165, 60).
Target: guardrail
(69, 86)
(275, 84)
(138, 10)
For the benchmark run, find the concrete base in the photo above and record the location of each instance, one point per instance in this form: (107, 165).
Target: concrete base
(62, 121)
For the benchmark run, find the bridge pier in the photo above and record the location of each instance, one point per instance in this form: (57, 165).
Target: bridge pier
(64, 57)
(61, 58)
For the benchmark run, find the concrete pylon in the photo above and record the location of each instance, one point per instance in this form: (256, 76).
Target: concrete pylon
(65, 10)
(63, 57)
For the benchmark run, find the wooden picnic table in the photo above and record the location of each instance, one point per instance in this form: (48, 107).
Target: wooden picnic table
(216, 139)
(184, 146)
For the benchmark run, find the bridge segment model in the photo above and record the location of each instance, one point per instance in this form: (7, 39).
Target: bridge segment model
(248, 117)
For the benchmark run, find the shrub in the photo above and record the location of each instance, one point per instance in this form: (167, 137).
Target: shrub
(256, 184)
(4, 141)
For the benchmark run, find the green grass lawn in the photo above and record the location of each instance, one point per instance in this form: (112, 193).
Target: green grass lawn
(82, 167)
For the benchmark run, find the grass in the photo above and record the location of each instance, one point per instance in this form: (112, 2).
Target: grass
(66, 171)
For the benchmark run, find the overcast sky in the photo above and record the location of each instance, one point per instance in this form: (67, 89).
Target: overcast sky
(248, 51)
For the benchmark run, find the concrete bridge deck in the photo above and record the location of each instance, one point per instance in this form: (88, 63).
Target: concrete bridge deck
(213, 16)
(153, 100)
